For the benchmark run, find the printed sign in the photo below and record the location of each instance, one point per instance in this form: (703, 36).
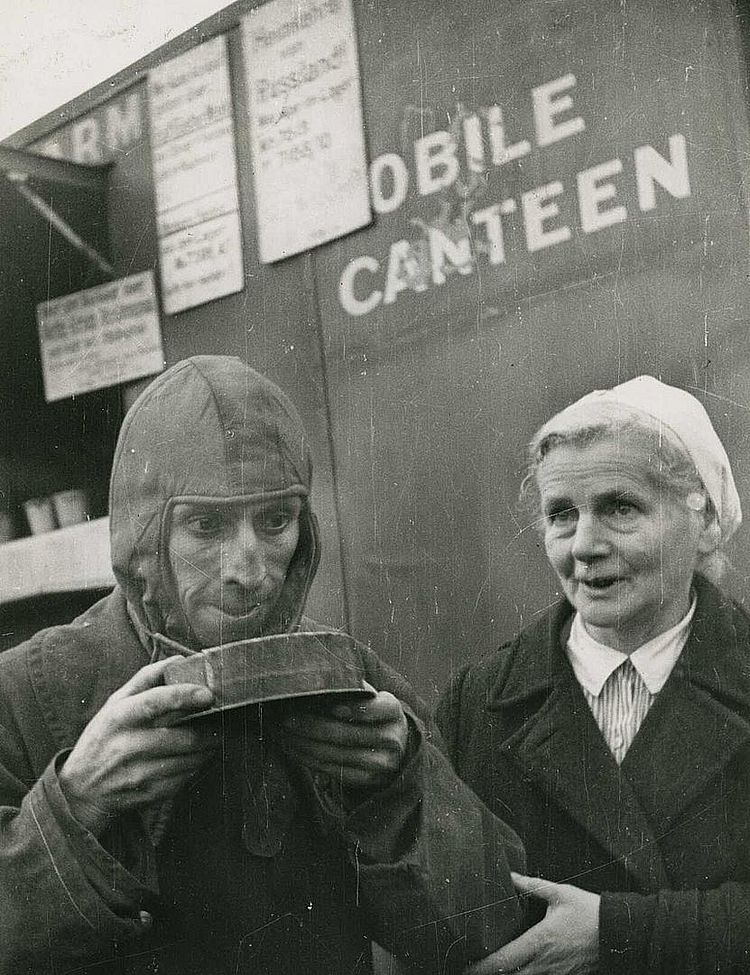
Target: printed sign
(97, 338)
(308, 145)
(195, 177)
(101, 135)
(462, 219)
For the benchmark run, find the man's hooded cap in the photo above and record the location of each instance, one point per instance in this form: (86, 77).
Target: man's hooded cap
(210, 429)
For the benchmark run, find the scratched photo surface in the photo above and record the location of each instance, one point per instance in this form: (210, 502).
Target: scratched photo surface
(551, 198)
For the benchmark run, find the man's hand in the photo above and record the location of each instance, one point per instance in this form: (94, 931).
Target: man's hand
(129, 755)
(359, 745)
(566, 942)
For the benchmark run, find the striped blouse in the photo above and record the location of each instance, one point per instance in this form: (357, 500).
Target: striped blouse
(619, 688)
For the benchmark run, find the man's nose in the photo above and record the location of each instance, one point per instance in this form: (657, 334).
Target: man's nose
(590, 538)
(242, 557)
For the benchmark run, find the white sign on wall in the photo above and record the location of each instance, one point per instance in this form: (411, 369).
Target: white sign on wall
(308, 148)
(195, 177)
(99, 337)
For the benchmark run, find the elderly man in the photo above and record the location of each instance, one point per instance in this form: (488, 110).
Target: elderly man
(134, 841)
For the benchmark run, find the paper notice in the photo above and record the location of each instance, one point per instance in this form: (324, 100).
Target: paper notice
(99, 337)
(203, 259)
(308, 148)
(195, 177)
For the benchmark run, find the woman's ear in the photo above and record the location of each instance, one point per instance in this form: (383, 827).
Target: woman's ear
(710, 537)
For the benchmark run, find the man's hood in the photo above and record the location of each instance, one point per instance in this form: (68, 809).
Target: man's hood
(208, 429)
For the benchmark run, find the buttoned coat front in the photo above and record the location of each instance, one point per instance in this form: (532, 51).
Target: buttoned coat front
(664, 837)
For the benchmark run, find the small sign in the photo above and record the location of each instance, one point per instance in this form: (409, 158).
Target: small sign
(201, 260)
(308, 145)
(195, 177)
(100, 337)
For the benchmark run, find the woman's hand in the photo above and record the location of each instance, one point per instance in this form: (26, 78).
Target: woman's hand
(361, 745)
(566, 942)
(130, 754)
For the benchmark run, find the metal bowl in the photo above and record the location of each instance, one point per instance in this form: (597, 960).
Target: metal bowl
(274, 668)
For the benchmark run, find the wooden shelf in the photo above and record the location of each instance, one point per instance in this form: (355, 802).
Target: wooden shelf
(65, 560)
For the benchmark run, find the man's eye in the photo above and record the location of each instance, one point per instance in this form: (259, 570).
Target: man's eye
(274, 522)
(206, 524)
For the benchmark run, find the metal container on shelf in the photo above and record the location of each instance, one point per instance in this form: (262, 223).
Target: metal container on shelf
(40, 515)
(71, 506)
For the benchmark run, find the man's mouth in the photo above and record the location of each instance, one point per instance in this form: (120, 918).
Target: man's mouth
(245, 613)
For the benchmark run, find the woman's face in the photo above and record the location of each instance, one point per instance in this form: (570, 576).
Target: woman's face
(624, 548)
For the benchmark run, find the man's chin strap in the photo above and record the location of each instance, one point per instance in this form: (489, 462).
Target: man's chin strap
(163, 647)
(141, 631)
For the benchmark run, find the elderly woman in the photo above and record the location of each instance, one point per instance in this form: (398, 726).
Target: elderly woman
(614, 733)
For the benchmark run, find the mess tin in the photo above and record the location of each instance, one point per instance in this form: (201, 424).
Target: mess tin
(272, 668)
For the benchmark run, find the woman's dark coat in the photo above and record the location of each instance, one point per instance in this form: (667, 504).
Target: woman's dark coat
(665, 837)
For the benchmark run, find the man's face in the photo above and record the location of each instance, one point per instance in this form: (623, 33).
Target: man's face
(229, 564)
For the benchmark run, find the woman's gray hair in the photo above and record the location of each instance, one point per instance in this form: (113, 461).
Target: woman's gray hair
(673, 470)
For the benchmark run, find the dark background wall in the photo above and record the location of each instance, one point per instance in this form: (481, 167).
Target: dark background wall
(419, 409)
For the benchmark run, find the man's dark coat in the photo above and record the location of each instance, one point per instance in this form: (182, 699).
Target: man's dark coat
(250, 875)
(255, 867)
(665, 836)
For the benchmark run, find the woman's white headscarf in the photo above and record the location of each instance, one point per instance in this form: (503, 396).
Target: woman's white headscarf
(684, 417)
